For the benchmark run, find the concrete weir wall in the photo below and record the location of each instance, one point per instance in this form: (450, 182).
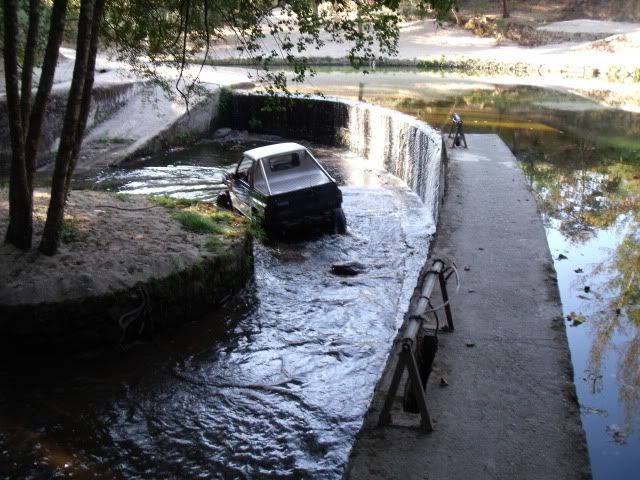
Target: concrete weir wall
(402, 145)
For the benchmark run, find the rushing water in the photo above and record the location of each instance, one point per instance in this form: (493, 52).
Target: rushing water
(583, 162)
(275, 385)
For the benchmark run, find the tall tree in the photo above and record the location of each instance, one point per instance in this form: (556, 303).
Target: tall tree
(505, 9)
(20, 227)
(26, 118)
(75, 120)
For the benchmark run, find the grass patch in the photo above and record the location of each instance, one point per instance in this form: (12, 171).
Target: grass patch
(171, 203)
(197, 222)
(212, 244)
(71, 230)
(202, 217)
(255, 227)
(116, 140)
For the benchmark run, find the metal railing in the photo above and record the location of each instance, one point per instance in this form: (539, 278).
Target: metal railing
(408, 357)
(457, 124)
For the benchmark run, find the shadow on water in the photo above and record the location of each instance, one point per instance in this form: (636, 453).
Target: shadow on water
(77, 417)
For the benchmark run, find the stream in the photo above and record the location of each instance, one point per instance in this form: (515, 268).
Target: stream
(273, 385)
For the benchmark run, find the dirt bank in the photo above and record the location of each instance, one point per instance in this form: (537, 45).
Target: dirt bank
(112, 246)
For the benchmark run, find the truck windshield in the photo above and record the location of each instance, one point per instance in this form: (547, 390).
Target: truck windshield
(293, 171)
(284, 162)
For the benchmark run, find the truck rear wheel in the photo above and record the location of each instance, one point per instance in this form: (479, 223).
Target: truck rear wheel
(223, 200)
(339, 221)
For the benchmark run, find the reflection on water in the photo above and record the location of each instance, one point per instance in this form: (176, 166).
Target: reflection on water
(274, 385)
(583, 162)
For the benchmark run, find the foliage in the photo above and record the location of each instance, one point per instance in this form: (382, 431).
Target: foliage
(154, 34)
(23, 24)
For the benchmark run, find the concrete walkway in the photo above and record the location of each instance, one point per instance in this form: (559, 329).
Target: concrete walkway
(509, 410)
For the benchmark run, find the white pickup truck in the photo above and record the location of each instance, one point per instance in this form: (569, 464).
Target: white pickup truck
(285, 186)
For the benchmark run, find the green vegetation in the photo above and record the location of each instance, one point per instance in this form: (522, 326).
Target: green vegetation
(203, 218)
(212, 244)
(116, 140)
(255, 125)
(71, 230)
(255, 227)
(185, 136)
(171, 203)
(196, 222)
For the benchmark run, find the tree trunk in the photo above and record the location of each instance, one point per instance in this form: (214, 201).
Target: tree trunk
(505, 9)
(55, 213)
(20, 229)
(85, 104)
(27, 64)
(39, 108)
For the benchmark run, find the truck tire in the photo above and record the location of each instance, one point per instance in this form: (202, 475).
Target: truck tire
(339, 221)
(223, 200)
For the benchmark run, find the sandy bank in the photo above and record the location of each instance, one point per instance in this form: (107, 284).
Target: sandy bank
(117, 253)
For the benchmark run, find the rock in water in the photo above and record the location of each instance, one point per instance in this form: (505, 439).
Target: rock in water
(348, 269)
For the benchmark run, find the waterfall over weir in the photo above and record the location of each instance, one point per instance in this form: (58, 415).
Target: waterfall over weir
(400, 144)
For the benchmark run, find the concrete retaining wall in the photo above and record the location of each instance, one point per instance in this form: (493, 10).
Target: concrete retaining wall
(120, 317)
(106, 100)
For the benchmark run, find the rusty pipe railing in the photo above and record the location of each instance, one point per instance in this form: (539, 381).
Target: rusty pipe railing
(408, 340)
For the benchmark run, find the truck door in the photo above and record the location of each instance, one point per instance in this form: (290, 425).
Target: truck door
(241, 186)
